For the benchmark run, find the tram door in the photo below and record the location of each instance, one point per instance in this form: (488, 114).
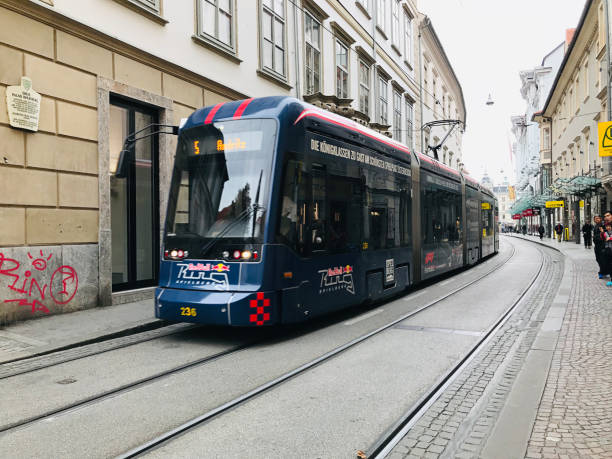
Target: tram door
(134, 200)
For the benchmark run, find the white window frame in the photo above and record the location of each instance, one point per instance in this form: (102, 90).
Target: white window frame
(395, 23)
(381, 14)
(309, 47)
(409, 124)
(382, 103)
(214, 38)
(150, 5)
(275, 17)
(345, 70)
(364, 88)
(397, 115)
(408, 45)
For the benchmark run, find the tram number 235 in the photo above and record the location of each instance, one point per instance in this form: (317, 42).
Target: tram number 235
(189, 312)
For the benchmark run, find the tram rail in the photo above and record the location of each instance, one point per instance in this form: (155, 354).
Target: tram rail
(385, 444)
(211, 414)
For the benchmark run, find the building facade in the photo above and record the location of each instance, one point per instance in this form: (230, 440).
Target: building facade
(75, 234)
(568, 122)
(441, 98)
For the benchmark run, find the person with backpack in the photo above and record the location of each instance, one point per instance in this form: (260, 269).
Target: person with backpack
(606, 236)
(559, 231)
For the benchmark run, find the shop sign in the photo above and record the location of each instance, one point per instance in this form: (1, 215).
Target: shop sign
(604, 131)
(516, 217)
(528, 213)
(553, 204)
(485, 206)
(581, 203)
(23, 105)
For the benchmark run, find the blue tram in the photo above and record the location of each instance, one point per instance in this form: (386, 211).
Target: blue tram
(280, 211)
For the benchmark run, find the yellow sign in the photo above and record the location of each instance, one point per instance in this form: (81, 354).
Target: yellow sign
(485, 206)
(484, 232)
(511, 193)
(581, 204)
(605, 138)
(552, 204)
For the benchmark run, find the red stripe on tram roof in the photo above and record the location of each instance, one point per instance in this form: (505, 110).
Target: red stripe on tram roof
(212, 113)
(318, 114)
(241, 108)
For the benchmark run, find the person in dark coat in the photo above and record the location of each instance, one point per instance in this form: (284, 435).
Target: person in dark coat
(559, 231)
(541, 230)
(587, 235)
(599, 244)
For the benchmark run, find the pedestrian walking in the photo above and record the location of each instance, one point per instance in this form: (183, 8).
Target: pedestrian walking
(541, 230)
(599, 244)
(587, 235)
(559, 231)
(524, 230)
(606, 236)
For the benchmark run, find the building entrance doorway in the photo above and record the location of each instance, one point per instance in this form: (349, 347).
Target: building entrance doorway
(134, 199)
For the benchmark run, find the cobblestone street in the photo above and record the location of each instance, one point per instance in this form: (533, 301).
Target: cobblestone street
(574, 414)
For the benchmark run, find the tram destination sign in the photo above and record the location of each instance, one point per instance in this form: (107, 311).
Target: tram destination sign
(320, 144)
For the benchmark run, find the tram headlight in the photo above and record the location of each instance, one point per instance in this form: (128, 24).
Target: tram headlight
(237, 254)
(246, 254)
(174, 253)
(225, 254)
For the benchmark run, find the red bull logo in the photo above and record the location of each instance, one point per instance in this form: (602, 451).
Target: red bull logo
(429, 258)
(337, 278)
(220, 267)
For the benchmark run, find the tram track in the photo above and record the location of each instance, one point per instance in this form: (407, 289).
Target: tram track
(385, 444)
(168, 436)
(88, 348)
(91, 400)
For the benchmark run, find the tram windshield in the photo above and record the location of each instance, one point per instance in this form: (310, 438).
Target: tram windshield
(221, 182)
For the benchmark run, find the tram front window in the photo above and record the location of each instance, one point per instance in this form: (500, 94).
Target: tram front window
(220, 186)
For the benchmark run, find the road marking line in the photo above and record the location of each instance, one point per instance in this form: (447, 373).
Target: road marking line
(364, 316)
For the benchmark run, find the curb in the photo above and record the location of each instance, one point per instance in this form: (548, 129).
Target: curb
(92, 339)
(537, 242)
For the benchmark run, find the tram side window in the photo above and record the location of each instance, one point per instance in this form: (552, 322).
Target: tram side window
(321, 208)
(388, 206)
(441, 221)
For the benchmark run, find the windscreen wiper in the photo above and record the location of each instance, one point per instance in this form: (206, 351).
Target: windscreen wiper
(254, 208)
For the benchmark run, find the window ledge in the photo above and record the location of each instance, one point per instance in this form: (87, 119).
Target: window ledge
(409, 65)
(382, 32)
(362, 8)
(274, 78)
(215, 47)
(396, 49)
(155, 17)
(586, 99)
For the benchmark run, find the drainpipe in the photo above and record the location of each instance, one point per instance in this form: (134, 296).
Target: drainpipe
(297, 54)
(421, 89)
(375, 79)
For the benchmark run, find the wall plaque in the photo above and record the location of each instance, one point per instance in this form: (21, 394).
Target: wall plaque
(23, 105)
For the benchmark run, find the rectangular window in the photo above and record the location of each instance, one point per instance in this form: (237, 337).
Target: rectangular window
(216, 21)
(586, 79)
(312, 38)
(273, 36)
(546, 140)
(395, 22)
(397, 116)
(409, 123)
(381, 14)
(407, 38)
(364, 88)
(382, 101)
(341, 70)
(151, 5)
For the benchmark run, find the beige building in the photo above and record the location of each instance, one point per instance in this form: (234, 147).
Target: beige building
(76, 235)
(577, 102)
(441, 98)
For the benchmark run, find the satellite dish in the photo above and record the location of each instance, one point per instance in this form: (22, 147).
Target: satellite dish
(490, 100)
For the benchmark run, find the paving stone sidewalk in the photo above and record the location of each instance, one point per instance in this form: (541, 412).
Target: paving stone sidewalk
(567, 407)
(574, 418)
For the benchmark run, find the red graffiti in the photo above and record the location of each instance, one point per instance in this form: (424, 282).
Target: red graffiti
(64, 276)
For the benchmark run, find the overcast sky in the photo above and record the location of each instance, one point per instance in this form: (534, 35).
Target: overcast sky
(488, 43)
